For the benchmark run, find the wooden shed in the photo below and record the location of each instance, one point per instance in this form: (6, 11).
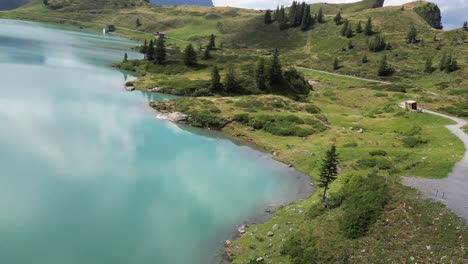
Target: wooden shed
(411, 105)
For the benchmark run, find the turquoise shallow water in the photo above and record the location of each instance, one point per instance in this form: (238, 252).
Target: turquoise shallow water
(88, 175)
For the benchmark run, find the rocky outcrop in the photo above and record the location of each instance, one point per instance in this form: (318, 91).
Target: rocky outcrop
(183, 2)
(378, 4)
(175, 117)
(431, 13)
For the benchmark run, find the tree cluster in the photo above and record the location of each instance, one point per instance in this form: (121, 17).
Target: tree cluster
(155, 50)
(299, 15)
(377, 43)
(448, 63)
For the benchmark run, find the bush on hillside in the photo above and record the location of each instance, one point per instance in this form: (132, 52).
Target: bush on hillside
(378, 153)
(364, 201)
(412, 142)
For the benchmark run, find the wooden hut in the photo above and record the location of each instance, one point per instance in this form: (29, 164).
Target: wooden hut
(411, 105)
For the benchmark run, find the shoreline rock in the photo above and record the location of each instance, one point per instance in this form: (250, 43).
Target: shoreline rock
(175, 117)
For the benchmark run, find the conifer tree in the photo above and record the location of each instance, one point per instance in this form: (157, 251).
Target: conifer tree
(282, 19)
(125, 59)
(349, 32)
(300, 14)
(350, 45)
(150, 51)
(384, 68)
(306, 19)
(190, 56)
(261, 76)
(412, 35)
(359, 27)
(320, 16)
(212, 42)
(276, 13)
(293, 13)
(268, 19)
(338, 18)
(138, 23)
(216, 86)
(443, 61)
(344, 29)
(364, 58)
(144, 48)
(160, 53)
(275, 72)
(231, 84)
(368, 31)
(328, 171)
(451, 64)
(336, 64)
(377, 43)
(465, 26)
(206, 54)
(428, 67)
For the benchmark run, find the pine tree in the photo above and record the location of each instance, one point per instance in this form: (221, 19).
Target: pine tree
(364, 58)
(261, 76)
(384, 68)
(268, 19)
(451, 64)
(306, 19)
(377, 43)
(465, 26)
(293, 13)
(144, 48)
(428, 67)
(368, 31)
(328, 171)
(216, 86)
(212, 42)
(231, 84)
(359, 27)
(443, 61)
(282, 19)
(300, 14)
(150, 51)
(206, 54)
(320, 16)
(160, 53)
(125, 59)
(275, 72)
(338, 18)
(276, 13)
(336, 64)
(412, 35)
(138, 23)
(344, 29)
(190, 56)
(350, 45)
(349, 32)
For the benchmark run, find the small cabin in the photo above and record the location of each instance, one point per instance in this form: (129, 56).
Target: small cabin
(159, 34)
(411, 105)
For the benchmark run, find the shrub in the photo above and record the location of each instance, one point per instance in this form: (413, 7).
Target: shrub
(350, 145)
(364, 201)
(241, 118)
(366, 163)
(301, 249)
(378, 153)
(412, 142)
(204, 119)
(312, 109)
(129, 84)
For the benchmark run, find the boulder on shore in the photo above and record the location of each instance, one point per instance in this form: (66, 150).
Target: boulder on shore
(129, 88)
(175, 117)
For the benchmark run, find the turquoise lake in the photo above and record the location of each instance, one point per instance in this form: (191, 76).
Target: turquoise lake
(89, 175)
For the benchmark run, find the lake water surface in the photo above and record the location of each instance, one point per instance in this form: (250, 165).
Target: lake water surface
(88, 175)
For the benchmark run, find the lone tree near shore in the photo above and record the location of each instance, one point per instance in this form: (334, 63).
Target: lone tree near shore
(160, 51)
(328, 171)
(190, 56)
(275, 72)
(216, 86)
(150, 51)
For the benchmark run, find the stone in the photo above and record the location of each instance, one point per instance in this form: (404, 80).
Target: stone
(270, 234)
(251, 129)
(156, 89)
(175, 117)
(241, 229)
(129, 88)
(276, 227)
(428, 247)
(259, 259)
(361, 130)
(275, 153)
(227, 243)
(289, 223)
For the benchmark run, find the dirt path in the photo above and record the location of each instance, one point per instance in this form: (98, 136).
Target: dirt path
(453, 190)
(342, 75)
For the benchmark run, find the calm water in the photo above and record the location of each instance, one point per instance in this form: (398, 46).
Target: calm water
(88, 175)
